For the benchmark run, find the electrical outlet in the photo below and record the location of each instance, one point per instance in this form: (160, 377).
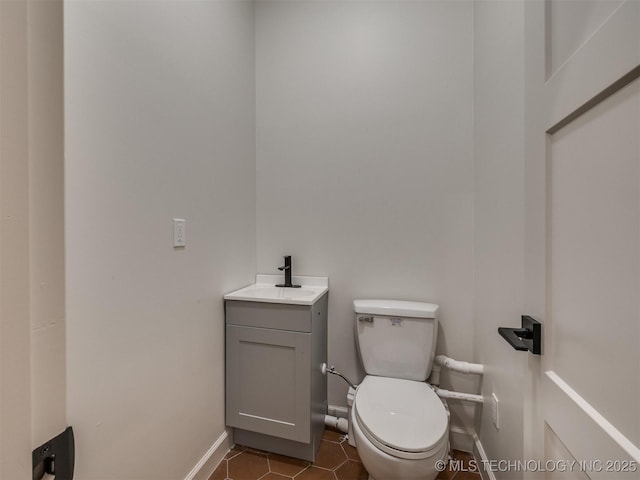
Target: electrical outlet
(179, 232)
(494, 411)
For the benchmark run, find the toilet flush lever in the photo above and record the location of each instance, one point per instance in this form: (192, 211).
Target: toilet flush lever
(365, 319)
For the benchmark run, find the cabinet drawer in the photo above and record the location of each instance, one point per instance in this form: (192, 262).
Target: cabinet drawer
(295, 318)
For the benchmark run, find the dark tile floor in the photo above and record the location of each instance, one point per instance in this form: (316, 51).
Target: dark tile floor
(336, 460)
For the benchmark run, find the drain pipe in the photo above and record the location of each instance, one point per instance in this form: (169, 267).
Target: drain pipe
(469, 397)
(456, 366)
(341, 424)
(459, 366)
(338, 423)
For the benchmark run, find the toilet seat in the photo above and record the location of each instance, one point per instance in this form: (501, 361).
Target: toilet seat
(404, 418)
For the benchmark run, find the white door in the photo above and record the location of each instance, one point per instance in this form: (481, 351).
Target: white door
(583, 231)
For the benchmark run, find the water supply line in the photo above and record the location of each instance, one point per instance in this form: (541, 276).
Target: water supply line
(338, 423)
(332, 371)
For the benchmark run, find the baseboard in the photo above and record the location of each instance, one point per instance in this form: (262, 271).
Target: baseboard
(211, 459)
(460, 439)
(483, 460)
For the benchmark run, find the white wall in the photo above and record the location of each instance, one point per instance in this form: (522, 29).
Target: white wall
(159, 124)
(364, 159)
(499, 217)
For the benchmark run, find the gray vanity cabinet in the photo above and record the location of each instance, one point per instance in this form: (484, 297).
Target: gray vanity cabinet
(276, 394)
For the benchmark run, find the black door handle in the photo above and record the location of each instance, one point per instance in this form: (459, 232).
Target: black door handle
(527, 337)
(56, 457)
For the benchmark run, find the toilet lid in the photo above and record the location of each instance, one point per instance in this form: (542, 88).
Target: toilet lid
(404, 415)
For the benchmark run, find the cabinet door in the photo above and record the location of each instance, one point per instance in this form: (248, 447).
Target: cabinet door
(268, 382)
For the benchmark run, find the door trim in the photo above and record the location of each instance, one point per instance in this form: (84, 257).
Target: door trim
(576, 80)
(571, 409)
(619, 84)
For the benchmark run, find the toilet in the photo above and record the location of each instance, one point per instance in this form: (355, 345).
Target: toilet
(399, 425)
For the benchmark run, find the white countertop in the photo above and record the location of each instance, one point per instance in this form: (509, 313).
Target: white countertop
(265, 290)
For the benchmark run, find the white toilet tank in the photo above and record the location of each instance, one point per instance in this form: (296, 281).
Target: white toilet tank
(396, 338)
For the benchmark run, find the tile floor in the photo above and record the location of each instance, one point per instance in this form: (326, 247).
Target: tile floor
(336, 460)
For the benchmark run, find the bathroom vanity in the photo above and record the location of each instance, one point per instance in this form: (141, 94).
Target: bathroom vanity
(276, 345)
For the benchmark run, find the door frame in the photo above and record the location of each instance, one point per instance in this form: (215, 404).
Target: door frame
(15, 332)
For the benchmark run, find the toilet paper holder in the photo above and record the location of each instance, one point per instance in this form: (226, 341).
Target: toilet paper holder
(55, 457)
(527, 337)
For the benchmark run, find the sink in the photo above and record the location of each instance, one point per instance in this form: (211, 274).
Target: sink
(264, 290)
(268, 291)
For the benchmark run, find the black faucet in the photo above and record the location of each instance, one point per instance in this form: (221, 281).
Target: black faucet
(287, 273)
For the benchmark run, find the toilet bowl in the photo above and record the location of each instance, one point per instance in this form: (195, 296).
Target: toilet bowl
(400, 428)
